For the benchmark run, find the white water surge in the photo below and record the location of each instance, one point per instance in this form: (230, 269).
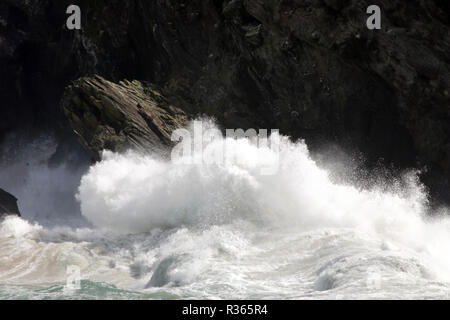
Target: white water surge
(166, 230)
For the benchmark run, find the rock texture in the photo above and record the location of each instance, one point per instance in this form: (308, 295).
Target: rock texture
(109, 116)
(310, 68)
(8, 204)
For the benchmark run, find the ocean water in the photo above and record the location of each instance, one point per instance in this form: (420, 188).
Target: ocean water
(156, 229)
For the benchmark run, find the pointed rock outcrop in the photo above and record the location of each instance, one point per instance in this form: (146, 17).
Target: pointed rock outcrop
(117, 117)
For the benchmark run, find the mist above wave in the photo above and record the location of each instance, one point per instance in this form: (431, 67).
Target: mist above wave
(43, 178)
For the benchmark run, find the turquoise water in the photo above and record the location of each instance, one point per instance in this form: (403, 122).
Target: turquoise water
(89, 290)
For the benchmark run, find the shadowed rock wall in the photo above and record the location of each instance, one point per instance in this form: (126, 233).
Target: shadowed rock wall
(310, 68)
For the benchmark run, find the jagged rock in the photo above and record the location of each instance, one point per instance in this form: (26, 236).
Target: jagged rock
(8, 204)
(128, 115)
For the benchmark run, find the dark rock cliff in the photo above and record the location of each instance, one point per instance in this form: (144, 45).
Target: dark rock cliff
(310, 68)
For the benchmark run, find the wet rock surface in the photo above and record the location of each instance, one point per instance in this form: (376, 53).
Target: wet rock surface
(128, 115)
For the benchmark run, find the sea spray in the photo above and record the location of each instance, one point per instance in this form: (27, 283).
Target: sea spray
(136, 193)
(224, 230)
(43, 178)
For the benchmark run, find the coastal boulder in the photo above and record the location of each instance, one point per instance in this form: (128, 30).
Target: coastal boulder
(117, 117)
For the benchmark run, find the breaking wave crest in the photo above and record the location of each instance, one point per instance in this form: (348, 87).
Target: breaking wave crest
(225, 230)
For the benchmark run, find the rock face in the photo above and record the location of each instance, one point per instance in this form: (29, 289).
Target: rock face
(8, 204)
(310, 68)
(116, 117)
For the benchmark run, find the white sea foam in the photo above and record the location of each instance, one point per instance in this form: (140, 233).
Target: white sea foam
(226, 231)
